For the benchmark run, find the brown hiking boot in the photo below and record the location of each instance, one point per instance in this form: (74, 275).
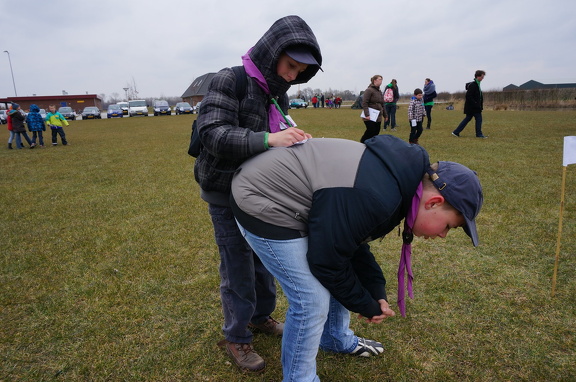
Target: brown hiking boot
(243, 356)
(270, 326)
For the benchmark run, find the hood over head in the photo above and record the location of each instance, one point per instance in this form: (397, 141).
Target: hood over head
(34, 108)
(409, 171)
(289, 31)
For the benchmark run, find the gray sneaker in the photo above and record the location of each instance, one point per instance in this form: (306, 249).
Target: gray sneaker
(367, 348)
(243, 356)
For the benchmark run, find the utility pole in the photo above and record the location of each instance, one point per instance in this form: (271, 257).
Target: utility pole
(12, 72)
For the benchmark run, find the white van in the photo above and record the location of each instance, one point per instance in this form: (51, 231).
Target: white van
(137, 107)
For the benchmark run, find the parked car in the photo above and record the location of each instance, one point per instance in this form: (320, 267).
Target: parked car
(137, 107)
(3, 119)
(114, 111)
(161, 107)
(67, 112)
(43, 113)
(91, 112)
(124, 107)
(297, 103)
(183, 108)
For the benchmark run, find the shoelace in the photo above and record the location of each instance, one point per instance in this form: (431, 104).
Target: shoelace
(245, 348)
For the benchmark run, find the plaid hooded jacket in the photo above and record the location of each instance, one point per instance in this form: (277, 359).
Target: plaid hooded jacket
(232, 131)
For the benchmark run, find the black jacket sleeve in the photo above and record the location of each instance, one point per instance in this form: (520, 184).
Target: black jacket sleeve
(339, 221)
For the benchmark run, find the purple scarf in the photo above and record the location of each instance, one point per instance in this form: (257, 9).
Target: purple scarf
(405, 261)
(274, 116)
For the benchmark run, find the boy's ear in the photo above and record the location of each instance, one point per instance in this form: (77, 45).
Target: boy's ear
(436, 200)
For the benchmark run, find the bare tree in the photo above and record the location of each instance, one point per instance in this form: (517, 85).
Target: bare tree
(132, 90)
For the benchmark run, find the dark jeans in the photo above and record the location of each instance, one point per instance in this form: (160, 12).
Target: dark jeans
(391, 111)
(55, 133)
(415, 131)
(428, 114)
(468, 118)
(372, 130)
(247, 289)
(40, 137)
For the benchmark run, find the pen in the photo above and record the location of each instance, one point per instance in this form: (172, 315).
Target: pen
(281, 112)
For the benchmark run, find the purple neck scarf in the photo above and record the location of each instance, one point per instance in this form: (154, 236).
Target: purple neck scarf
(274, 116)
(405, 261)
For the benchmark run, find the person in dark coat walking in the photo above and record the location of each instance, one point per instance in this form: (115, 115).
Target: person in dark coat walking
(373, 99)
(473, 106)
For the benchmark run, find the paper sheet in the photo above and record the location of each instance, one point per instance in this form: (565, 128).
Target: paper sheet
(374, 113)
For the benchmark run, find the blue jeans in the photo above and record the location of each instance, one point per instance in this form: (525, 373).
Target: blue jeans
(247, 289)
(468, 118)
(391, 111)
(314, 318)
(19, 139)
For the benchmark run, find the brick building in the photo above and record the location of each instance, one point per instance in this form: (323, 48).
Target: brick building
(76, 102)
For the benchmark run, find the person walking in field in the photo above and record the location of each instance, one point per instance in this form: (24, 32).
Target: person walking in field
(473, 105)
(391, 97)
(429, 95)
(373, 99)
(416, 113)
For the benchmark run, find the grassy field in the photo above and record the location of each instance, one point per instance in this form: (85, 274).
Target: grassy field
(109, 267)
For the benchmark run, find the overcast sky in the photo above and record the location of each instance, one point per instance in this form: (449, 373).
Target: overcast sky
(100, 46)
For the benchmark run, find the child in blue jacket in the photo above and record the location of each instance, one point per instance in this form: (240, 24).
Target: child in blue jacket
(36, 125)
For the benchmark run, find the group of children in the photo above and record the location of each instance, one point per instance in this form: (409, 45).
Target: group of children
(36, 125)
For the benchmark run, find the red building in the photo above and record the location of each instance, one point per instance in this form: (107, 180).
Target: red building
(76, 102)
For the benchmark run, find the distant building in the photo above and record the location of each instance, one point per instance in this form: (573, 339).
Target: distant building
(533, 85)
(76, 102)
(198, 89)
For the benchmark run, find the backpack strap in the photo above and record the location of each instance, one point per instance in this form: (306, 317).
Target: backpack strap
(241, 81)
(195, 146)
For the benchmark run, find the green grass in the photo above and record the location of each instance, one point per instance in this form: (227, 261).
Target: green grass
(109, 267)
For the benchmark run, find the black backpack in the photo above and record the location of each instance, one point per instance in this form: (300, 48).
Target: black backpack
(195, 144)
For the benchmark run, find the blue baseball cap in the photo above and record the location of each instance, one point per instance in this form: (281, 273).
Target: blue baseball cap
(302, 54)
(461, 187)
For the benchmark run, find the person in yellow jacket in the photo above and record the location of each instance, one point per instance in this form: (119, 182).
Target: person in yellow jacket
(56, 121)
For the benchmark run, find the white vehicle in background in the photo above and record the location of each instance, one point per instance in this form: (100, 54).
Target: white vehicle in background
(3, 117)
(137, 107)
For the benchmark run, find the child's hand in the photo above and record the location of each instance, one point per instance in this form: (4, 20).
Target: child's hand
(288, 137)
(386, 312)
